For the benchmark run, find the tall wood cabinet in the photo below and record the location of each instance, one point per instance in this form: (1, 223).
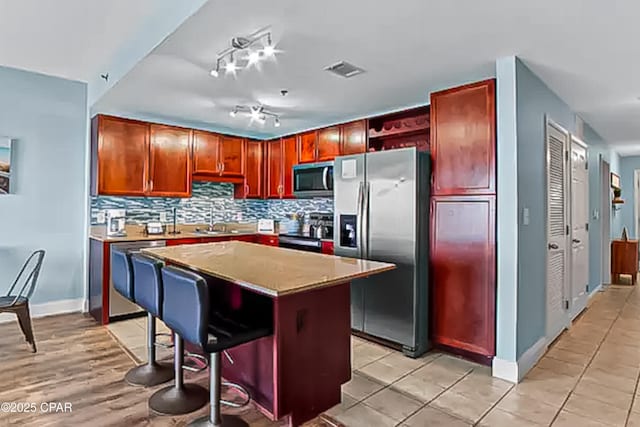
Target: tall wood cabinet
(463, 218)
(282, 155)
(253, 186)
(170, 161)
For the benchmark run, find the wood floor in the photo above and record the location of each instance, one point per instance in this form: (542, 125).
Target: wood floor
(78, 362)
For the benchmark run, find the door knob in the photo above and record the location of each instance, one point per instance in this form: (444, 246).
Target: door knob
(553, 246)
(576, 240)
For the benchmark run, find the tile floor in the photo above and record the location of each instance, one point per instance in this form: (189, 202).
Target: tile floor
(588, 377)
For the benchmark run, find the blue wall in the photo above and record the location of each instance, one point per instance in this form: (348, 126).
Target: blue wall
(535, 101)
(626, 213)
(47, 118)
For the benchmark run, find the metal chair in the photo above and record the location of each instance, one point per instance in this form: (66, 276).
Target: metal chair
(18, 303)
(188, 312)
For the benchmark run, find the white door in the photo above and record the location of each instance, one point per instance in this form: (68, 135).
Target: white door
(605, 219)
(579, 227)
(557, 230)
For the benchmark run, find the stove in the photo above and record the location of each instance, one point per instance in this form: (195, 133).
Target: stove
(301, 242)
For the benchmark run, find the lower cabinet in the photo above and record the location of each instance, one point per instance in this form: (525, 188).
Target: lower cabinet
(267, 239)
(327, 248)
(463, 263)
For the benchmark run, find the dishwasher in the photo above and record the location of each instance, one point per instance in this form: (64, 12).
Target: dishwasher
(121, 308)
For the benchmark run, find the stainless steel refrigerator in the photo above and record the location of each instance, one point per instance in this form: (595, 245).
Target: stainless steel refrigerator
(381, 202)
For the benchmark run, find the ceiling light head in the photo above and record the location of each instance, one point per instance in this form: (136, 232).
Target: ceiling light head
(262, 118)
(233, 112)
(215, 72)
(269, 50)
(254, 57)
(276, 122)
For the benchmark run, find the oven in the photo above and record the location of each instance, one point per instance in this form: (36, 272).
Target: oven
(313, 180)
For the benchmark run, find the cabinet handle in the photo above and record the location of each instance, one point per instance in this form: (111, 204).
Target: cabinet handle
(221, 167)
(246, 190)
(151, 185)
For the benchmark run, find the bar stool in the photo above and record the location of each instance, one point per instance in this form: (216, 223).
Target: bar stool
(148, 294)
(187, 311)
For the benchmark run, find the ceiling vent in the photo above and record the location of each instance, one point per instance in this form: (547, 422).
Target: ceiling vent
(344, 69)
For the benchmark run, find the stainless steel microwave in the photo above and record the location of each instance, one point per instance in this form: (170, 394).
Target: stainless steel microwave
(313, 180)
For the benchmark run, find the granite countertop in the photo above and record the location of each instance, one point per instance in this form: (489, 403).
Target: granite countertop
(135, 233)
(269, 270)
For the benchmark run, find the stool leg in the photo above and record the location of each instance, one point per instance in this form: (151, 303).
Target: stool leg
(215, 418)
(180, 398)
(152, 373)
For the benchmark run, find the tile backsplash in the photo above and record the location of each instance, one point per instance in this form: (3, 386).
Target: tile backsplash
(196, 209)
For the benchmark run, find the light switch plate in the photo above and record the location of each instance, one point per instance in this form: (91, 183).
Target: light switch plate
(163, 217)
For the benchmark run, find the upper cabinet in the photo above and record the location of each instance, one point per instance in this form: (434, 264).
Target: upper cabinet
(132, 158)
(282, 155)
(253, 187)
(328, 143)
(353, 138)
(232, 152)
(217, 155)
(120, 157)
(170, 161)
(308, 147)
(463, 139)
(206, 159)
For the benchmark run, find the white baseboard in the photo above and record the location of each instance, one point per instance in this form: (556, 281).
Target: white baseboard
(594, 292)
(515, 371)
(49, 309)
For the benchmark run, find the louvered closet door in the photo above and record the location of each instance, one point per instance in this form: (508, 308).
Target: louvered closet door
(557, 256)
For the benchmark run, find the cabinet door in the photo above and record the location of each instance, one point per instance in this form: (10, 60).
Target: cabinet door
(253, 170)
(328, 143)
(463, 266)
(205, 152)
(307, 147)
(274, 169)
(122, 156)
(463, 139)
(170, 161)
(232, 151)
(289, 160)
(354, 138)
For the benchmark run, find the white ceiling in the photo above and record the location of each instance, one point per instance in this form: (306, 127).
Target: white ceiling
(585, 50)
(67, 38)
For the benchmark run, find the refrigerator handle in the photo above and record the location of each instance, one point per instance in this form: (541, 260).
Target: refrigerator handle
(365, 221)
(359, 239)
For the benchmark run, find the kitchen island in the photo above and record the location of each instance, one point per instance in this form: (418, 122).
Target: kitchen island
(297, 373)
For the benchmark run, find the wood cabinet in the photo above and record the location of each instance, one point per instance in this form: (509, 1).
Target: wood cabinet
(353, 138)
(624, 259)
(268, 239)
(253, 174)
(274, 169)
(170, 161)
(463, 139)
(328, 143)
(206, 150)
(282, 155)
(218, 155)
(463, 259)
(308, 147)
(120, 157)
(132, 158)
(327, 247)
(232, 153)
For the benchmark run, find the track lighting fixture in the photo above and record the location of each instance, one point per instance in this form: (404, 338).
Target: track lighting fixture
(259, 46)
(257, 113)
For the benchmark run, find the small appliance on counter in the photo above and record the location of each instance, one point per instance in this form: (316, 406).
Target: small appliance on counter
(268, 226)
(116, 221)
(154, 228)
(321, 225)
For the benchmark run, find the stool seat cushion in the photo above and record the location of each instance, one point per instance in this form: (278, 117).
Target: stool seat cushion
(225, 333)
(148, 284)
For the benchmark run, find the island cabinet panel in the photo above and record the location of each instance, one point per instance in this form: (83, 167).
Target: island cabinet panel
(232, 155)
(274, 188)
(463, 139)
(353, 138)
(268, 239)
(463, 259)
(206, 150)
(308, 147)
(289, 160)
(327, 248)
(170, 161)
(328, 143)
(120, 157)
